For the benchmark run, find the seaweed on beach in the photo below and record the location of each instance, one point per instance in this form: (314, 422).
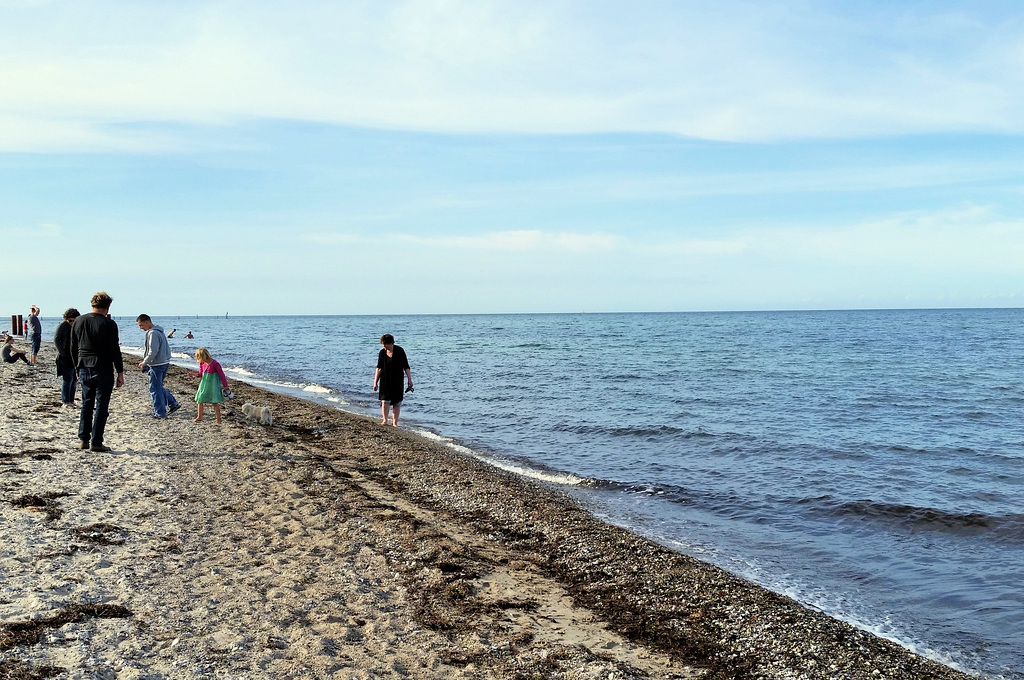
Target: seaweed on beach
(16, 669)
(30, 632)
(40, 503)
(101, 533)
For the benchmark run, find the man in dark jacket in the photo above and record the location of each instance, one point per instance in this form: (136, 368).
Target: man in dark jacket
(96, 349)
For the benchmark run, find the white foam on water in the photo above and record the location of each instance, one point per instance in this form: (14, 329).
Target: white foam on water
(549, 476)
(831, 605)
(316, 389)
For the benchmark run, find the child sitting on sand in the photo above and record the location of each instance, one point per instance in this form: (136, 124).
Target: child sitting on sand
(212, 383)
(10, 356)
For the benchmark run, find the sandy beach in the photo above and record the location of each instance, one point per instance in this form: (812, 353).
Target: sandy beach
(327, 546)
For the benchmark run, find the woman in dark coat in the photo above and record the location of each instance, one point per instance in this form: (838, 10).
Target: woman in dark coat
(66, 362)
(391, 365)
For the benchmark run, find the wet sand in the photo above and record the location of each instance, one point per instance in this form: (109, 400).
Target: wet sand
(327, 546)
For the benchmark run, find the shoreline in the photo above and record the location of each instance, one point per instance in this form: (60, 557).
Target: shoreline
(327, 545)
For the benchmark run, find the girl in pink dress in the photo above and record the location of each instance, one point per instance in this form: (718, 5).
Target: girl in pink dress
(212, 383)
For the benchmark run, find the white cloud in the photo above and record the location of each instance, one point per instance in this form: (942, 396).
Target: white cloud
(968, 240)
(734, 70)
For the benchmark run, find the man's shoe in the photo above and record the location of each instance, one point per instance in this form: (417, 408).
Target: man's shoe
(99, 448)
(157, 416)
(83, 444)
(172, 409)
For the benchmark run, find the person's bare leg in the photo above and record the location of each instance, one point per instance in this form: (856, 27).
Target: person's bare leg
(199, 416)
(384, 413)
(216, 411)
(395, 410)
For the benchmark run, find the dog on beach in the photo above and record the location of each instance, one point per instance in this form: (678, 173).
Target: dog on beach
(261, 414)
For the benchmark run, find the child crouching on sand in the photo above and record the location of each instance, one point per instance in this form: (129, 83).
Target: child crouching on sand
(212, 383)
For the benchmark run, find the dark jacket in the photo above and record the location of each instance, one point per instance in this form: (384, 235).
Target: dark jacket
(95, 344)
(62, 341)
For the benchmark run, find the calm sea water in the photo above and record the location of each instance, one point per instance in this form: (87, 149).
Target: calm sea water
(867, 463)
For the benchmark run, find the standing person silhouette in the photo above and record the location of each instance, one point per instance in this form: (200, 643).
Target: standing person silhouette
(156, 360)
(35, 334)
(66, 360)
(96, 349)
(391, 365)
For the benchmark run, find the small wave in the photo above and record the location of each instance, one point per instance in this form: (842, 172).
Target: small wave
(238, 370)
(533, 472)
(316, 389)
(652, 431)
(1008, 528)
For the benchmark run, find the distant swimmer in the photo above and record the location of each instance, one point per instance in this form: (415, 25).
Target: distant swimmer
(189, 336)
(391, 365)
(173, 331)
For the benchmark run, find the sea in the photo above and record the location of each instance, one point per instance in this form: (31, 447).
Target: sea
(869, 464)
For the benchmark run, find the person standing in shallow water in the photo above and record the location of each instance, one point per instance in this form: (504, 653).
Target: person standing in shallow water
(392, 364)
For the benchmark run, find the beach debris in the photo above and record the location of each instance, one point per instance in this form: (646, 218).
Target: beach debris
(101, 533)
(16, 669)
(30, 632)
(41, 503)
(261, 414)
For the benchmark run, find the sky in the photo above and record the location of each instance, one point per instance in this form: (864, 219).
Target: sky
(494, 156)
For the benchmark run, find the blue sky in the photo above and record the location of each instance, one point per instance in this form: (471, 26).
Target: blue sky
(459, 156)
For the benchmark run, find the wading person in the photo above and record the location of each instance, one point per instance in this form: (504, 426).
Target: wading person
(392, 365)
(97, 352)
(156, 359)
(66, 360)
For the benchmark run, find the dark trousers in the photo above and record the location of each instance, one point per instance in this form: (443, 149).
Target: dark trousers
(97, 386)
(68, 387)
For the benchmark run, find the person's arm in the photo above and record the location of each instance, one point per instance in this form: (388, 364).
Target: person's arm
(147, 349)
(116, 349)
(74, 346)
(405, 364)
(220, 372)
(376, 379)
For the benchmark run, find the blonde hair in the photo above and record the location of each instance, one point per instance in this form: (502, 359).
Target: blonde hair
(203, 355)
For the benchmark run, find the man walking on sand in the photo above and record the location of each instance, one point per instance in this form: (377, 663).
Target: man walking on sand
(96, 351)
(156, 360)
